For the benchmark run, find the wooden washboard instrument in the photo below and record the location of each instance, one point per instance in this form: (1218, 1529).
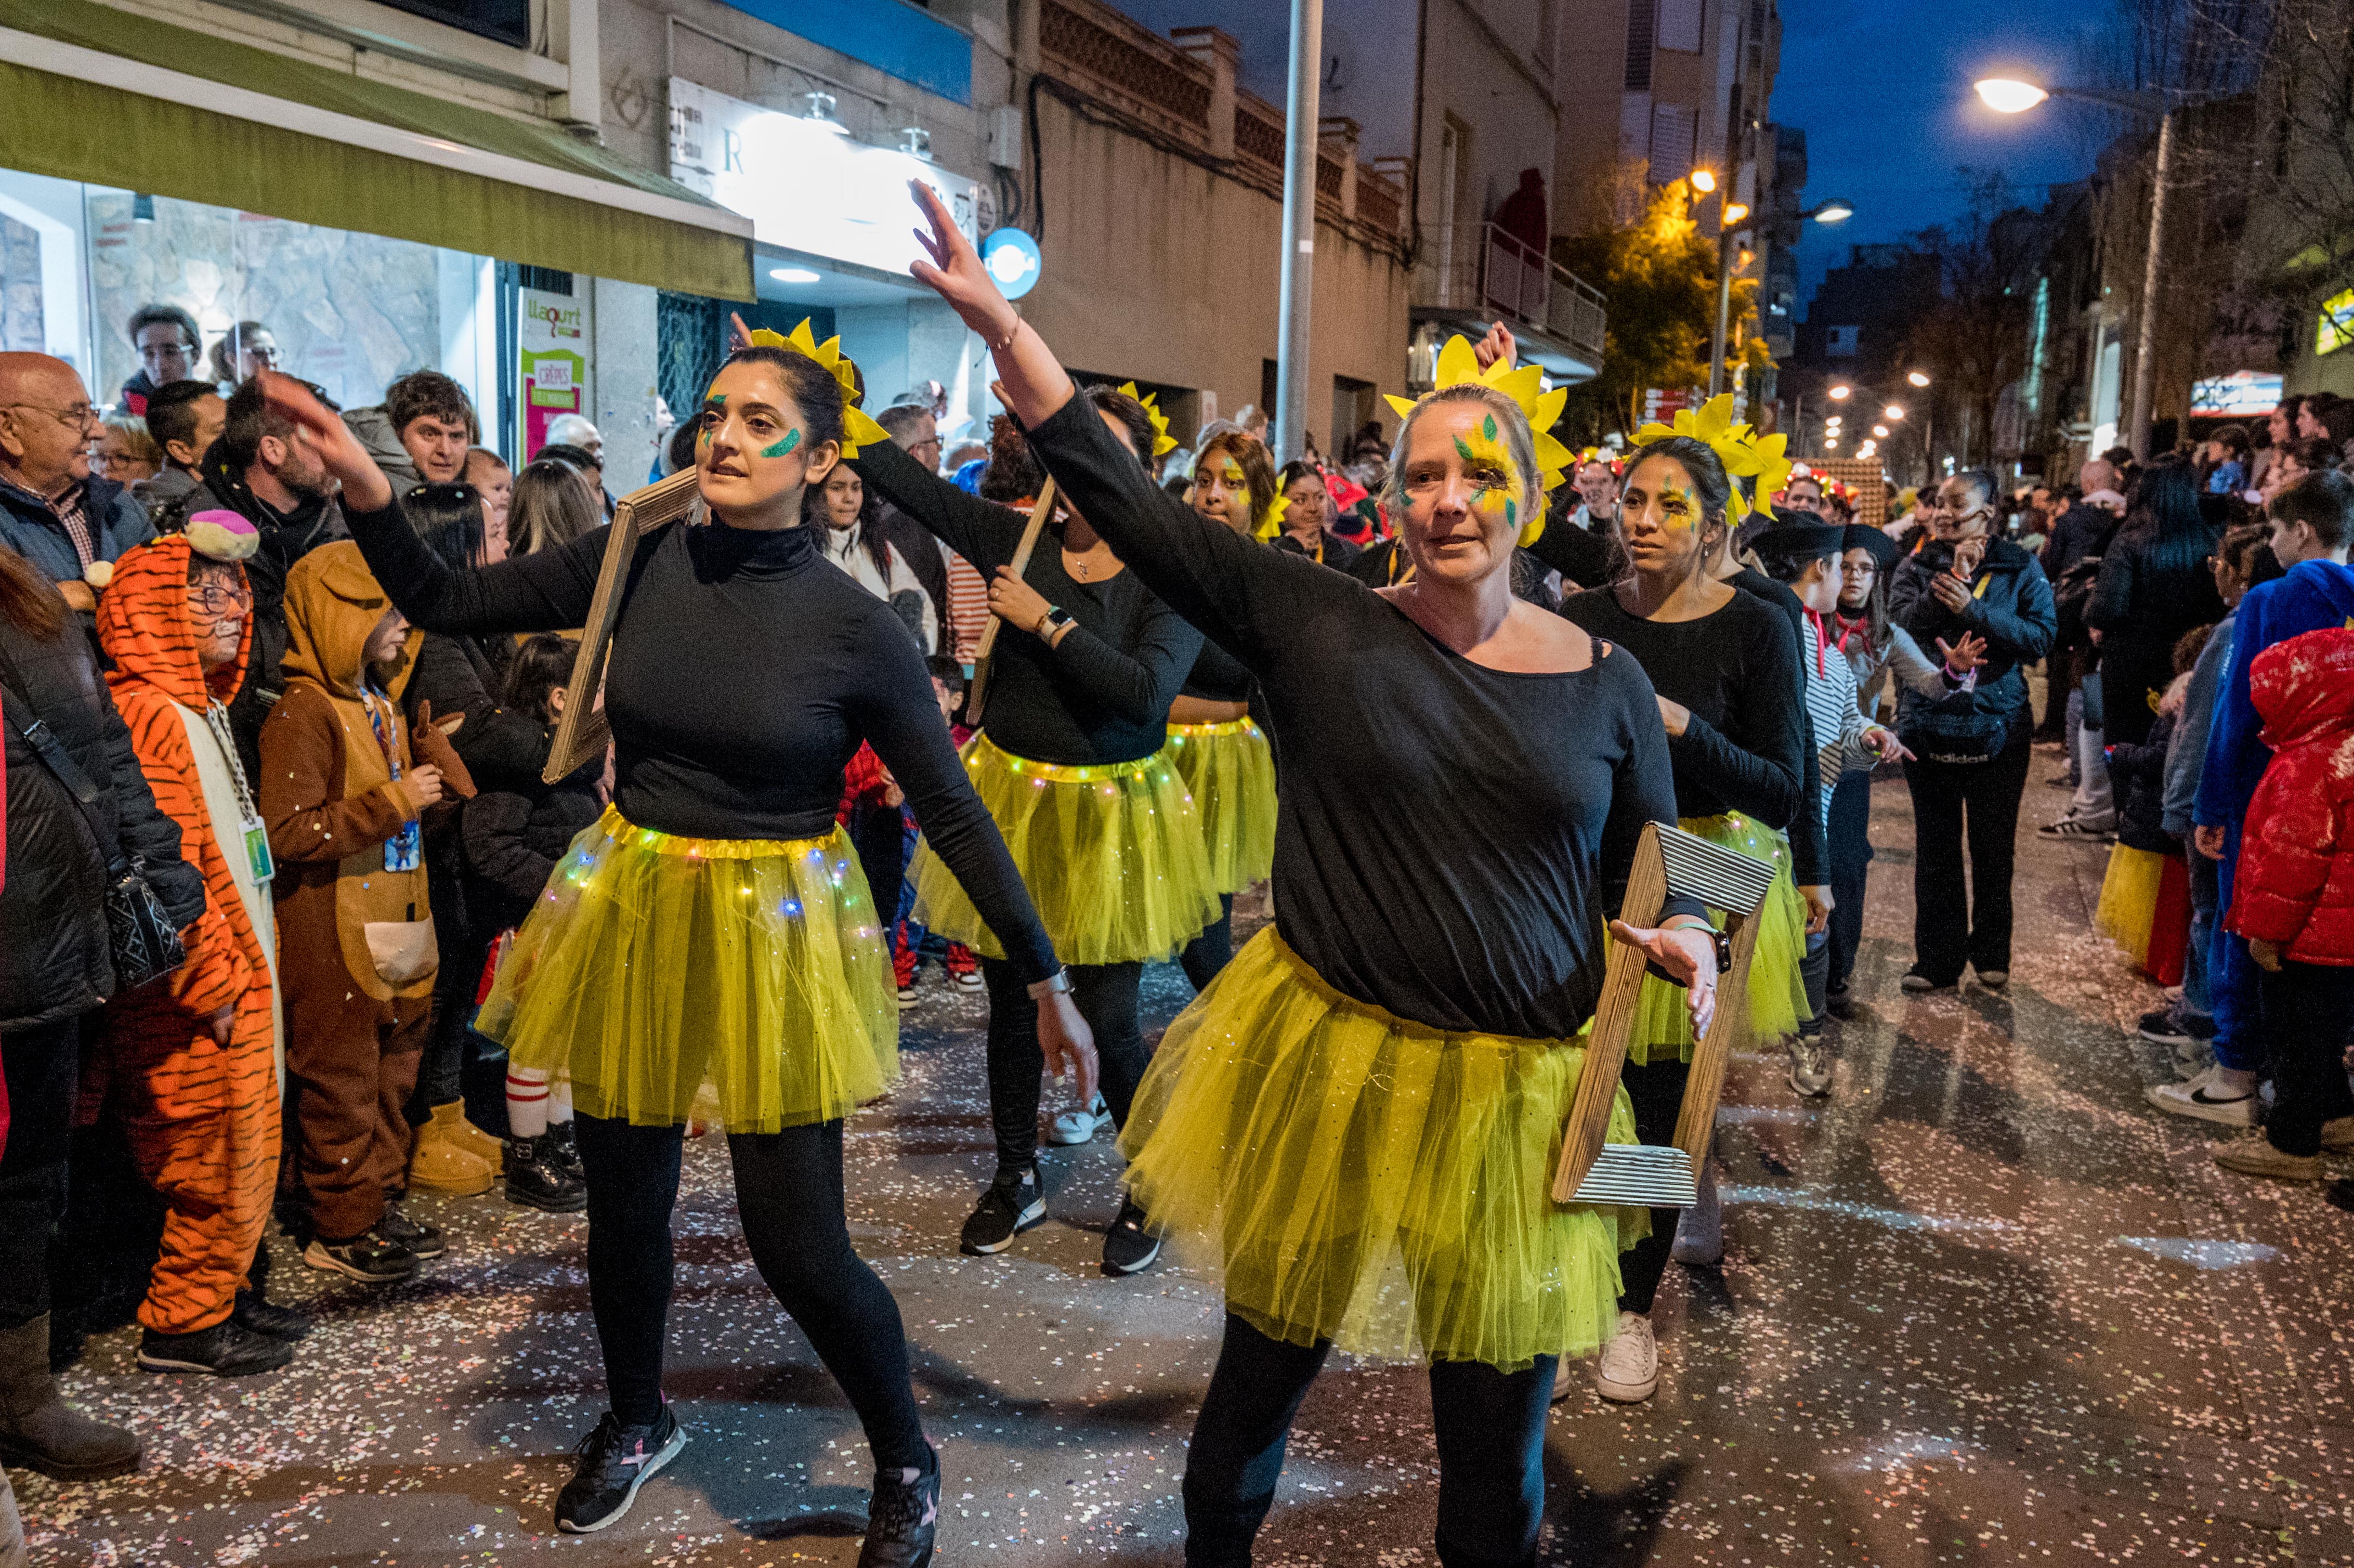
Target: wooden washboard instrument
(977, 694)
(582, 732)
(1637, 1175)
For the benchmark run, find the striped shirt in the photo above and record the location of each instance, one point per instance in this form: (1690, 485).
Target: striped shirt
(968, 606)
(1831, 703)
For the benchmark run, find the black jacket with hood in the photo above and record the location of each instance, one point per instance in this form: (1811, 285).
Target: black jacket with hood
(2010, 605)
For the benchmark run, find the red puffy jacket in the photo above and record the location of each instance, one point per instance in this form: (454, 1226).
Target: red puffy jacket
(2294, 886)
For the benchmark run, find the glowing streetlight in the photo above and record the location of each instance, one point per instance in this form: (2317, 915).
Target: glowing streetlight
(1840, 393)
(1702, 181)
(2007, 95)
(1894, 411)
(1881, 431)
(1838, 209)
(1735, 211)
(1830, 443)
(1917, 378)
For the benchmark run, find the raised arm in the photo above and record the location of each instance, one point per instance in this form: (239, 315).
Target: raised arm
(1235, 589)
(982, 532)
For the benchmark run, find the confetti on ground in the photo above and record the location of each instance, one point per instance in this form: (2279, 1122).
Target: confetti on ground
(1981, 1306)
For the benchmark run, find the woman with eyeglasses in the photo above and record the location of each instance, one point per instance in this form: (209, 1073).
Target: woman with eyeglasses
(1970, 746)
(1876, 650)
(246, 348)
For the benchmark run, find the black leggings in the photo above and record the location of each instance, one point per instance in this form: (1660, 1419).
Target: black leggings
(1658, 1092)
(1490, 1424)
(1105, 995)
(1849, 848)
(1213, 949)
(788, 1193)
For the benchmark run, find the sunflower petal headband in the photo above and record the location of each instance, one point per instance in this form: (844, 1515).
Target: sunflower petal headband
(858, 430)
(1745, 453)
(1457, 363)
(1164, 443)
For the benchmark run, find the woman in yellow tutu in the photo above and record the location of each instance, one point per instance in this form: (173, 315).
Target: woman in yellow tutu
(1725, 671)
(1359, 1118)
(714, 927)
(1220, 752)
(1075, 761)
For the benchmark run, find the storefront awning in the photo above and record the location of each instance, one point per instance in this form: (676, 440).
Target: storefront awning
(92, 93)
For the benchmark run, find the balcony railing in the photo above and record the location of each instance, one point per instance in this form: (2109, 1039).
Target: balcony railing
(1480, 269)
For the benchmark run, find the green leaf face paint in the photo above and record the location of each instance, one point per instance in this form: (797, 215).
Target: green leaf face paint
(1463, 450)
(1487, 427)
(792, 439)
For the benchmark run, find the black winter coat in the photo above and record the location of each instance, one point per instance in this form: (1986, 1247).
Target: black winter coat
(501, 747)
(515, 838)
(2138, 772)
(2141, 609)
(2010, 606)
(54, 961)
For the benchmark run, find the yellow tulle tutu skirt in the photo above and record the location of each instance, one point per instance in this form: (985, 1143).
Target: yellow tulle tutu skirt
(1353, 1177)
(2128, 906)
(1230, 771)
(1777, 993)
(1112, 854)
(667, 976)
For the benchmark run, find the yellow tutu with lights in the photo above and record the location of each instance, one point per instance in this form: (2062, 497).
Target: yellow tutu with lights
(1229, 769)
(1112, 854)
(1777, 993)
(664, 976)
(1354, 1177)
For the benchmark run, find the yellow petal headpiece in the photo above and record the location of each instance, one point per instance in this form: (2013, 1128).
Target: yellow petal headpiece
(858, 430)
(1163, 442)
(1745, 453)
(1458, 364)
(1271, 525)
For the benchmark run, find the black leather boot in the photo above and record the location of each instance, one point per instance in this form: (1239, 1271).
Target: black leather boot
(38, 1430)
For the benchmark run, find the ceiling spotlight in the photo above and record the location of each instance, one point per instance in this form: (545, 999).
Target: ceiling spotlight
(820, 113)
(916, 142)
(792, 275)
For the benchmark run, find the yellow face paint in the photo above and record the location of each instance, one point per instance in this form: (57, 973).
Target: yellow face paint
(1232, 474)
(1488, 461)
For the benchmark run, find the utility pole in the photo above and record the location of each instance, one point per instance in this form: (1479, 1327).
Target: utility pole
(1723, 303)
(2145, 329)
(1287, 428)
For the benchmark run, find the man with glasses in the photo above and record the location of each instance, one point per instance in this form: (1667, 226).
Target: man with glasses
(917, 429)
(166, 340)
(53, 511)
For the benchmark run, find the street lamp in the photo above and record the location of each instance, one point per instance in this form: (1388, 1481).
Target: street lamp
(1917, 378)
(1880, 431)
(1840, 393)
(2012, 95)
(1894, 411)
(1730, 218)
(1702, 181)
(1838, 209)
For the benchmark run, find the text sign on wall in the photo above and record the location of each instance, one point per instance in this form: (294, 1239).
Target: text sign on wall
(552, 362)
(806, 186)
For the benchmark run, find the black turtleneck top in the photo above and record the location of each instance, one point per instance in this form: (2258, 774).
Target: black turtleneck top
(745, 671)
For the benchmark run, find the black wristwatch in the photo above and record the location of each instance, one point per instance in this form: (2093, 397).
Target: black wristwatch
(1723, 943)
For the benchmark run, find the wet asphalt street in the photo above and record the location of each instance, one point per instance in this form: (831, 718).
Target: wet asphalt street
(1981, 1306)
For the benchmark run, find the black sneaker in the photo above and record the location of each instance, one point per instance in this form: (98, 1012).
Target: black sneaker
(2159, 1026)
(255, 1311)
(901, 1519)
(1840, 1001)
(421, 1240)
(228, 1349)
(566, 1150)
(368, 1257)
(537, 1180)
(1012, 1205)
(615, 1461)
(1129, 1248)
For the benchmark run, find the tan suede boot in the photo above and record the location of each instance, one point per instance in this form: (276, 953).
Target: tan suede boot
(470, 1138)
(439, 1161)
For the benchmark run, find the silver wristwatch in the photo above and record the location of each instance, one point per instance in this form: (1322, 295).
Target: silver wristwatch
(1059, 981)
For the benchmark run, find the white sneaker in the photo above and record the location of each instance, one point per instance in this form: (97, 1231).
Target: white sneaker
(1075, 1126)
(2192, 1099)
(1811, 1060)
(1628, 1368)
(1699, 1231)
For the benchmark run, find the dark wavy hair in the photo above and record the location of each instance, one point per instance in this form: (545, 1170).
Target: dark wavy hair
(449, 518)
(1132, 418)
(2167, 520)
(811, 386)
(870, 517)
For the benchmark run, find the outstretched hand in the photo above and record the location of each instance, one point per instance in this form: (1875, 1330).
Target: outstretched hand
(954, 270)
(1964, 654)
(365, 489)
(1685, 952)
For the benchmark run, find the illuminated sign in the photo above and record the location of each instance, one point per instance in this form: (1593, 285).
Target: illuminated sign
(2244, 394)
(805, 184)
(1011, 258)
(2335, 330)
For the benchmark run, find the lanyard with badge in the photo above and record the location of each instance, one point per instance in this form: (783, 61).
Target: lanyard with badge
(404, 849)
(249, 818)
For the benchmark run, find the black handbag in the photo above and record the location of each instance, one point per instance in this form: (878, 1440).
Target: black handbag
(141, 941)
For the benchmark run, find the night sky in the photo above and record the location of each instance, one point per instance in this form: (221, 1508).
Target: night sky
(1883, 89)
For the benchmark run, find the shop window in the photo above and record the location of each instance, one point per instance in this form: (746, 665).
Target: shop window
(504, 21)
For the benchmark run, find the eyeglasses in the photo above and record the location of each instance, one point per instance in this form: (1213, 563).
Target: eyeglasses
(73, 416)
(218, 598)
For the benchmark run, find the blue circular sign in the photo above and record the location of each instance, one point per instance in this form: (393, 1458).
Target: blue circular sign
(1011, 259)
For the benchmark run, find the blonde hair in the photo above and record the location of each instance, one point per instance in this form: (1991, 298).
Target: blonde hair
(1510, 419)
(136, 436)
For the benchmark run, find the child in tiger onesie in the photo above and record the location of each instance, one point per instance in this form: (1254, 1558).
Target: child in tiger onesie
(346, 797)
(189, 1061)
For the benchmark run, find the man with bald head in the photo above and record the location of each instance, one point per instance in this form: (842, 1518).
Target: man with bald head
(53, 511)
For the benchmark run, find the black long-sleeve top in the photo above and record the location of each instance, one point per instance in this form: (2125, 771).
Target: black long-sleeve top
(1100, 694)
(1746, 747)
(1447, 837)
(745, 672)
(1218, 677)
